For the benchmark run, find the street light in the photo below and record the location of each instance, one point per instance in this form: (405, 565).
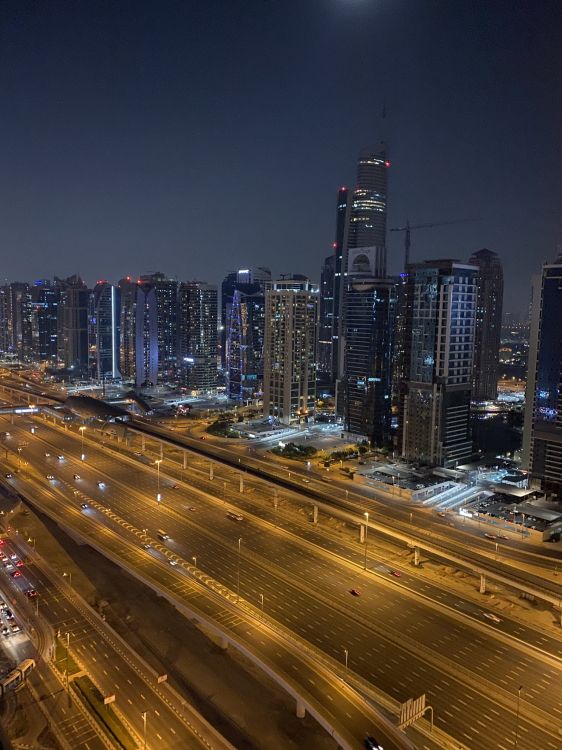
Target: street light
(366, 538)
(346, 654)
(143, 714)
(69, 576)
(194, 558)
(66, 659)
(81, 429)
(238, 575)
(158, 462)
(261, 598)
(519, 689)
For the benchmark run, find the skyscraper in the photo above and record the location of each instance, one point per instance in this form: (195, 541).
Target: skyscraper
(488, 325)
(439, 350)
(197, 335)
(247, 281)
(166, 295)
(342, 218)
(542, 435)
(20, 320)
(72, 325)
(326, 317)
(370, 310)
(104, 331)
(45, 297)
(291, 314)
(127, 327)
(146, 334)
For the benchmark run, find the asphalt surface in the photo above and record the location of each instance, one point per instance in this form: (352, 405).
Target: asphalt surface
(398, 642)
(113, 668)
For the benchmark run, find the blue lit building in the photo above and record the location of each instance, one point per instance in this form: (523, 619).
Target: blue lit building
(542, 436)
(104, 331)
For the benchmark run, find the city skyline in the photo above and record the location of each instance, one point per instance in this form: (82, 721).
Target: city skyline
(116, 157)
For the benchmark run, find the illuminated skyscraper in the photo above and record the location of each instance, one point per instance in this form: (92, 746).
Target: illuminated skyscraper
(438, 352)
(104, 331)
(146, 335)
(72, 337)
(326, 317)
(45, 297)
(488, 325)
(197, 335)
(291, 316)
(542, 435)
(127, 327)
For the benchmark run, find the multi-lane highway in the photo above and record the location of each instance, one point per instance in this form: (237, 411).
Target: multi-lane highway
(112, 665)
(401, 634)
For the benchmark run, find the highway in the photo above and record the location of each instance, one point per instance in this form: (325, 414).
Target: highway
(112, 665)
(350, 714)
(395, 640)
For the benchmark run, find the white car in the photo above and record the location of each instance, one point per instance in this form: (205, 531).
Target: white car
(491, 616)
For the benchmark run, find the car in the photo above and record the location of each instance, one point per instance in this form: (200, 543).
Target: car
(203, 437)
(76, 476)
(13, 556)
(50, 477)
(9, 614)
(175, 486)
(192, 508)
(396, 573)
(173, 562)
(490, 536)
(101, 484)
(15, 628)
(137, 453)
(60, 458)
(31, 593)
(355, 592)
(491, 616)
(147, 546)
(9, 475)
(5, 631)
(47, 455)
(234, 516)
(442, 515)
(306, 481)
(3, 604)
(15, 574)
(84, 505)
(19, 564)
(503, 536)
(371, 743)
(8, 434)
(8, 565)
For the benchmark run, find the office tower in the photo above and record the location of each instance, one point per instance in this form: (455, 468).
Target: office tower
(363, 213)
(248, 281)
(342, 218)
(197, 335)
(20, 320)
(326, 317)
(291, 313)
(72, 325)
(370, 310)
(45, 296)
(488, 325)
(439, 350)
(146, 334)
(542, 435)
(244, 345)
(104, 331)
(166, 295)
(5, 325)
(127, 327)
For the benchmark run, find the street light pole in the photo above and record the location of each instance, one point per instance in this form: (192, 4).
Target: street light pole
(261, 597)
(158, 462)
(238, 574)
(519, 689)
(194, 558)
(69, 576)
(366, 538)
(144, 728)
(346, 654)
(82, 432)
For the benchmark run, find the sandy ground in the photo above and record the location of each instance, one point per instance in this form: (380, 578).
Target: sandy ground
(234, 696)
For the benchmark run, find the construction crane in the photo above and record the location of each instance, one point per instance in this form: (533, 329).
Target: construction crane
(408, 228)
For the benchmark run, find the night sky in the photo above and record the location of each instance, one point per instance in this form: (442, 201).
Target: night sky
(198, 137)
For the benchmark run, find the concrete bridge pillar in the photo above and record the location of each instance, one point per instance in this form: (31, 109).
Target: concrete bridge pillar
(211, 471)
(143, 443)
(416, 556)
(161, 450)
(223, 643)
(314, 514)
(241, 488)
(482, 583)
(361, 534)
(301, 710)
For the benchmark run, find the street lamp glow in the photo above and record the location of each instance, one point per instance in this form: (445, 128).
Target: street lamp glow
(81, 430)
(366, 537)
(158, 495)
